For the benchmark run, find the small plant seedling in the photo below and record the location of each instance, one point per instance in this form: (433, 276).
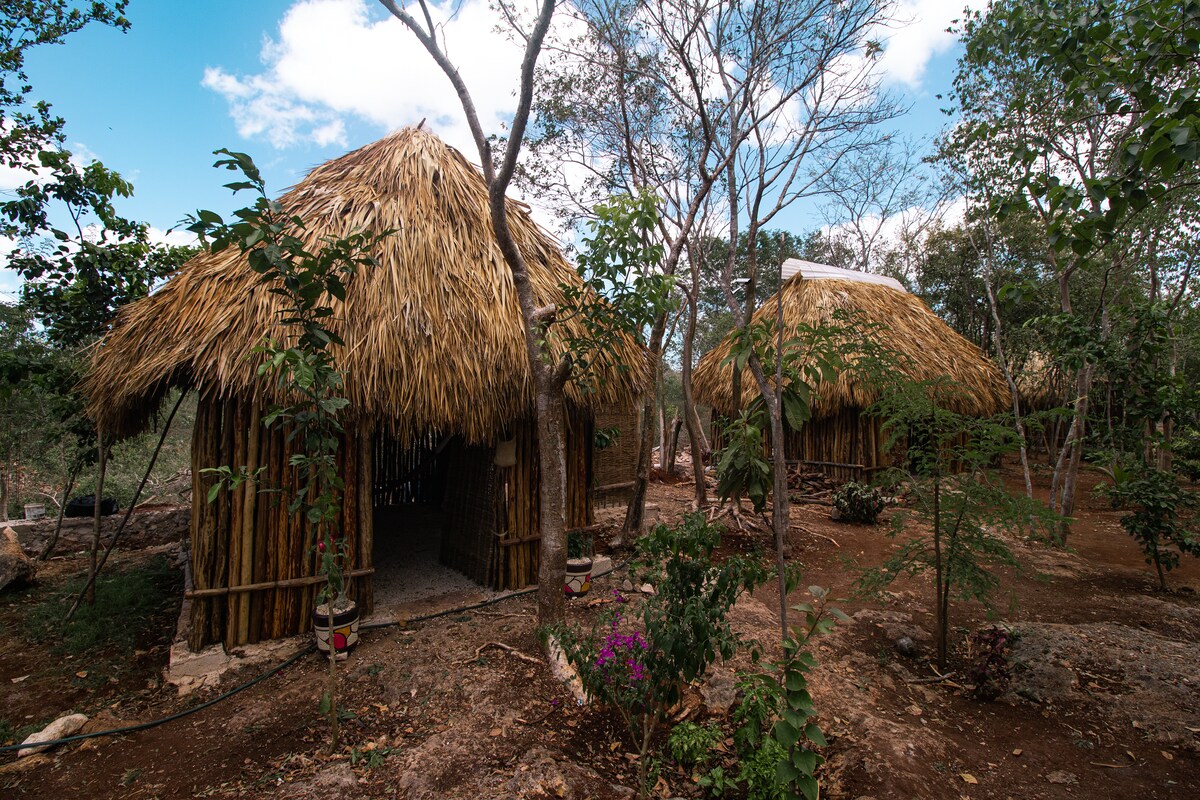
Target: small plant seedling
(692, 745)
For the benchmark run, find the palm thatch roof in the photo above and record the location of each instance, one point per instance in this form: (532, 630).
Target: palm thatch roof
(1042, 383)
(930, 346)
(434, 336)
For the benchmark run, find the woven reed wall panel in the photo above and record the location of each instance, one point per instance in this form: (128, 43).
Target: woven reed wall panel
(617, 463)
(848, 437)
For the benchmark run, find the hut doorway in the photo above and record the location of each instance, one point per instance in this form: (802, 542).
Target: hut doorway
(434, 519)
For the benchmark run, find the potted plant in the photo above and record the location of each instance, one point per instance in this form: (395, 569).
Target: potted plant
(336, 617)
(579, 564)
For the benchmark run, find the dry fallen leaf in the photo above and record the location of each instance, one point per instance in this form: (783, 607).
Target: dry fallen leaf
(968, 778)
(1167, 755)
(18, 680)
(81, 674)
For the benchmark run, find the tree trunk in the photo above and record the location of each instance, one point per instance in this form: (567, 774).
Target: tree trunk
(942, 609)
(1002, 359)
(552, 461)
(699, 442)
(97, 503)
(673, 444)
(62, 507)
(1168, 423)
(1074, 447)
(781, 506)
(635, 513)
(4, 481)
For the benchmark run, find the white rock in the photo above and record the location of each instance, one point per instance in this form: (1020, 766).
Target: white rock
(564, 672)
(61, 728)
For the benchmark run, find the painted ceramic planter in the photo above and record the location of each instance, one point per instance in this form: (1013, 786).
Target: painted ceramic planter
(342, 629)
(579, 577)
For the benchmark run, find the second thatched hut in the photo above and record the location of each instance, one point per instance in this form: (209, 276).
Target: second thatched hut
(434, 368)
(841, 439)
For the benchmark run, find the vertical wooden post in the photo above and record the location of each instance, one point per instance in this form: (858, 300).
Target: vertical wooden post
(366, 515)
(245, 567)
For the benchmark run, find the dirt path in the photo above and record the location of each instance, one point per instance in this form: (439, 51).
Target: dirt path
(1105, 702)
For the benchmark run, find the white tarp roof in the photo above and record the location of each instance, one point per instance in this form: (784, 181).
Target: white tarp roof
(815, 272)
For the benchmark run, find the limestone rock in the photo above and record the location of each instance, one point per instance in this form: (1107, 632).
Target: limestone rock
(61, 728)
(719, 690)
(15, 567)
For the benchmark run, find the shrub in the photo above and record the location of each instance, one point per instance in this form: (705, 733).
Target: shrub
(759, 771)
(757, 709)
(640, 669)
(692, 745)
(990, 670)
(857, 502)
(1164, 518)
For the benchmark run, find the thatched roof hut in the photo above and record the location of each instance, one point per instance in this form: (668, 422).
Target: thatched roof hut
(1042, 384)
(841, 438)
(435, 370)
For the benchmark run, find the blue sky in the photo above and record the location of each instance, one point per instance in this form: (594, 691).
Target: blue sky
(297, 82)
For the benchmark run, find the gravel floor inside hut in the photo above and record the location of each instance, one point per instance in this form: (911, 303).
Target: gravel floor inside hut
(410, 580)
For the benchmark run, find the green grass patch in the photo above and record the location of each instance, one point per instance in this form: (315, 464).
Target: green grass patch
(11, 733)
(127, 614)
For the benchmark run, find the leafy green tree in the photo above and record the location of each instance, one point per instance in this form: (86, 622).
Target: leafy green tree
(27, 125)
(956, 496)
(1086, 115)
(80, 260)
(301, 362)
(622, 291)
(1163, 517)
(77, 276)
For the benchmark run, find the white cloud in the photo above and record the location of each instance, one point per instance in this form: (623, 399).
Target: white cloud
(10, 281)
(14, 177)
(336, 60)
(918, 35)
(174, 237)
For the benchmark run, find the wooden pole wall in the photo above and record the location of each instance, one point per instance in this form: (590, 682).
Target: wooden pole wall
(248, 536)
(518, 494)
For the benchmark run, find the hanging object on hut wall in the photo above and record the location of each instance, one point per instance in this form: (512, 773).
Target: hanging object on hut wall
(506, 453)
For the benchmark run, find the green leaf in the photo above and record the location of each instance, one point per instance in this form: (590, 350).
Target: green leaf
(785, 733)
